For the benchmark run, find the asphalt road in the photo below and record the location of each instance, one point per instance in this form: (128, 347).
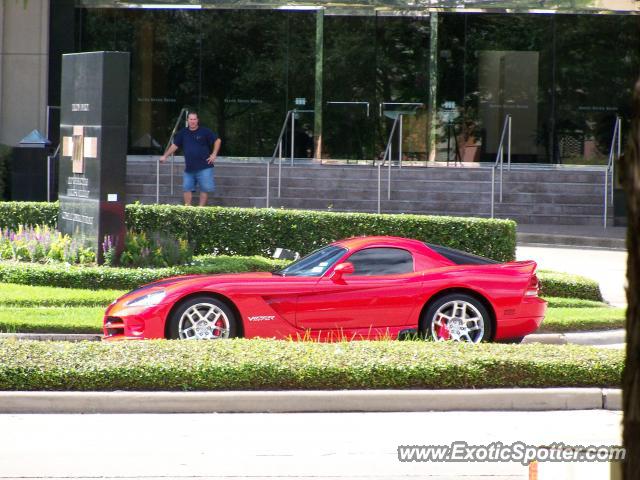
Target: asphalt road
(303, 445)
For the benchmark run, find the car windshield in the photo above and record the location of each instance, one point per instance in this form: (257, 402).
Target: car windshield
(314, 264)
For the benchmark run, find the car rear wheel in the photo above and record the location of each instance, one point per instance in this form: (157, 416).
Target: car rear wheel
(459, 317)
(203, 318)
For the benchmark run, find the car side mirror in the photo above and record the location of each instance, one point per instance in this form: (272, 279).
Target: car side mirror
(345, 268)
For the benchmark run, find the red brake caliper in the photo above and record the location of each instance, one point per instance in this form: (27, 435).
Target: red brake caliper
(442, 330)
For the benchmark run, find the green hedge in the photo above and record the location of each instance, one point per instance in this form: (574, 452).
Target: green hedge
(244, 231)
(276, 365)
(68, 276)
(14, 214)
(556, 284)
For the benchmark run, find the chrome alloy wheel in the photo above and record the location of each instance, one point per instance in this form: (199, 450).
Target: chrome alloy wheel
(458, 320)
(203, 321)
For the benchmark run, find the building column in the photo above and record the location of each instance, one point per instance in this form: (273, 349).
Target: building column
(432, 142)
(317, 127)
(24, 61)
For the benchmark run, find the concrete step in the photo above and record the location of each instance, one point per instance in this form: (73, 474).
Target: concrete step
(547, 195)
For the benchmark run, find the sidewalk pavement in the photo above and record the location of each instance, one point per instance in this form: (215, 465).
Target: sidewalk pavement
(496, 399)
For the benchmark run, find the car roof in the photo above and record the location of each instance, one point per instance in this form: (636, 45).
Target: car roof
(386, 241)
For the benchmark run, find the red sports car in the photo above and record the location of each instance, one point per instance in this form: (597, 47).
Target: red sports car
(359, 288)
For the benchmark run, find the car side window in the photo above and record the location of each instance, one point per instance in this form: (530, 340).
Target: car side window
(381, 261)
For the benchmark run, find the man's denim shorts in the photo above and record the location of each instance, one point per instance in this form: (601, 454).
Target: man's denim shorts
(203, 178)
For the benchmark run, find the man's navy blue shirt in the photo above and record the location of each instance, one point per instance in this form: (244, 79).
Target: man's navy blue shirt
(197, 146)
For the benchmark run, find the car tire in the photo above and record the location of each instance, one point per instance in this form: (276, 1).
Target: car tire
(512, 340)
(458, 317)
(203, 318)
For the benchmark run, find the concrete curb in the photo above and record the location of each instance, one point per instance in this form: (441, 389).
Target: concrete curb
(526, 399)
(604, 337)
(58, 337)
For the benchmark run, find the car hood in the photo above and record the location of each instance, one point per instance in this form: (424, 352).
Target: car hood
(183, 280)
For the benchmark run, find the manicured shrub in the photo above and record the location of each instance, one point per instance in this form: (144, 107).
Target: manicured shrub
(556, 284)
(278, 365)
(244, 231)
(124, 278)
(14, 214)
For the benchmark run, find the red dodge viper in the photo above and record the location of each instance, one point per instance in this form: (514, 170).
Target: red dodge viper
(359, 288)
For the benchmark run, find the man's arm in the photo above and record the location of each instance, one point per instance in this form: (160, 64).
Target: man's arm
(214, 154)
(170, 151)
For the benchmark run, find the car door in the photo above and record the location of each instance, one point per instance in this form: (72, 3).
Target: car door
(380, 292)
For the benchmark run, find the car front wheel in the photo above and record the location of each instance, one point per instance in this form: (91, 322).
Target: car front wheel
(459, 317)
(202, 318)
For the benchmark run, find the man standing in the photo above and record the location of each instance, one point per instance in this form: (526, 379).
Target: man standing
(197, 143)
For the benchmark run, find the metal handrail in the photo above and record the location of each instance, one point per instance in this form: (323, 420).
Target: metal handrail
(499, 163)
(173, 134)
(278, 151)
(616, 147)
(388, 152)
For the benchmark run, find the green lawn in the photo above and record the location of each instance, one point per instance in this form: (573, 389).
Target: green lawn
(562, 302)
(28, 296)
(51, 319)
(582, 319)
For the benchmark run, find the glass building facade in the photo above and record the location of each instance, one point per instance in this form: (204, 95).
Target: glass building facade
(563, 75)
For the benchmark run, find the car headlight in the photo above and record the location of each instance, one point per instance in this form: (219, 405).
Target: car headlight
(148, 300)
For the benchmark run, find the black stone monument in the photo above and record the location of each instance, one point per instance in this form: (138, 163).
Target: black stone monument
(93, 157)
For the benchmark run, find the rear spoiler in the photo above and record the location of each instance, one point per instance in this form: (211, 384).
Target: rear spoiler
(523, 266)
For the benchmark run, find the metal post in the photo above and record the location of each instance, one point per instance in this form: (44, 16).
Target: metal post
(613, 165)
(379, 181)
(48, 178)
(389, 178)
(279, 167)
(606, 187)
(268, 181)
(400, 143)
(293, 129)
(157, 181)
(448, 141)
(509, 147)
(493, 188)
(171, 163)
(501, 168)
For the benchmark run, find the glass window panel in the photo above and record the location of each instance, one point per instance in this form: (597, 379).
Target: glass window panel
(506, 69)
(381, 261)
(597, 65)
(348, 127)
(165, 66)
(402, 82)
